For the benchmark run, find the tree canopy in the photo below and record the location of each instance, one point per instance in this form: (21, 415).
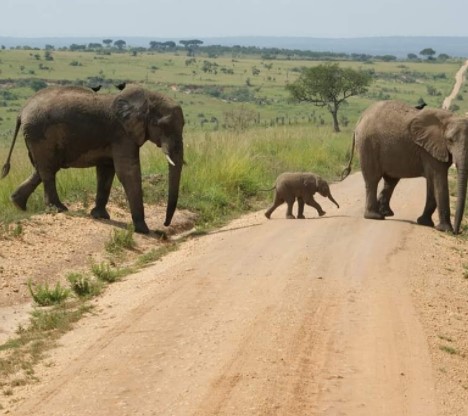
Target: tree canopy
(329, 85)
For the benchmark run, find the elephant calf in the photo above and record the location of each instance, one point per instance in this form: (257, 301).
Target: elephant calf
(301, 186)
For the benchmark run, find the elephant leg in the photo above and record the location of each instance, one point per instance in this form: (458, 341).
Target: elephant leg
(386, 194)
(372, 205)
(300, 208)
(129, 174)
(289, 213)
(24, 191)
(313, 203)
(50, 190)
(105, 175)
(430, 207)
(441, 192)
(277, 202)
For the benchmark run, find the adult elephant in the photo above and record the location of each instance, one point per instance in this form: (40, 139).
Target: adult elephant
(74, 127)
(395, 141)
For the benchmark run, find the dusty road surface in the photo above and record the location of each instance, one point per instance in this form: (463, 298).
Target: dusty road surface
(324, 316)
(459, 77)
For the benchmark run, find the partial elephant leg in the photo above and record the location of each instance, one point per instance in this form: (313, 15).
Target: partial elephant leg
(289, 213)
(430, 207)
(313, 203)
(300, 208)
(24, 191)
(129, 174)
(276, 203)
(386, 195)
(50, 189)
(372, 205)
(443, 204)
(105, 176)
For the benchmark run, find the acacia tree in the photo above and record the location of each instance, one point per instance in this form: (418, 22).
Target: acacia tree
(191, 45)
(429, 52)
(329, 85)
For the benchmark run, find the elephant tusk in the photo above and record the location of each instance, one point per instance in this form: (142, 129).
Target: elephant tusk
(169, 160)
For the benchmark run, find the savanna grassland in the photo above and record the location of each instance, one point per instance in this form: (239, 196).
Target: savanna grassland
(241, 127)
(241, 131)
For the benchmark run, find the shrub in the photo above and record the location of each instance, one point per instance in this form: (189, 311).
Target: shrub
(45, 296)
(83, 286)
(121, 239)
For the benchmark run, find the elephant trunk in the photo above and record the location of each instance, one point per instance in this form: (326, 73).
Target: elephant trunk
(332, 199)
(175, 172)
(462, 178)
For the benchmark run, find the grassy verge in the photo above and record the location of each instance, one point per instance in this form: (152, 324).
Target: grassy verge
(58, 309)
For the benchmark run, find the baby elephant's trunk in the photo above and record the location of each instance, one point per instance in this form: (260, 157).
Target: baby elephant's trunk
(332, 199)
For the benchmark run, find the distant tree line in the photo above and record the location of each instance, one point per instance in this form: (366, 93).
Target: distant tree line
(193, 47)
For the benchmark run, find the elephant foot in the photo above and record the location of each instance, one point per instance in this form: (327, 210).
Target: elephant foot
(444, 227)
(267, 214)
(386, 211)
(301, 217)
(141, 227)
(290, 217)
(370, 215)
(100, 213)
(58, 206)
(427, 221)
(19, 201)
(321, 214)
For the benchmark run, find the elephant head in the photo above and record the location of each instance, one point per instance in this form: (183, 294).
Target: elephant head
(324, 190)
(147, 115)
(445, 137)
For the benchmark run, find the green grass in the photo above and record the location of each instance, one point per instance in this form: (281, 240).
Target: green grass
(120, 240)
(83, 286)
(105, 273)
(43, 295)
(225, 168)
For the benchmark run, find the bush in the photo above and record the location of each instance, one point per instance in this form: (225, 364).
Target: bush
(45, 296)
(37, 84)
(83, 286)
(121, 239)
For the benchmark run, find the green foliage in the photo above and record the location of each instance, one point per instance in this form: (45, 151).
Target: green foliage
(105, 273)
(37, 84)
(43, 295)
(83, 286)
(329, 85)
(120, 240)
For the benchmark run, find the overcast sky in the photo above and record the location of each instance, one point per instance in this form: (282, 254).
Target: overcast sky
(217, 18)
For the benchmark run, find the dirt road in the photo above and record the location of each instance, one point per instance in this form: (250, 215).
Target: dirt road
(324, 316)
(459, 76)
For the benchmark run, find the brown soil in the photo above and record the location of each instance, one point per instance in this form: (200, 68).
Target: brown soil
(49, 246)
(325, 316)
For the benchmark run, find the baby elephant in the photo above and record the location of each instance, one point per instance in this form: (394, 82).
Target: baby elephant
(300, 185)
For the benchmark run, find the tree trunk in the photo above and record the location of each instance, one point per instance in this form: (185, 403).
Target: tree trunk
(336, 126)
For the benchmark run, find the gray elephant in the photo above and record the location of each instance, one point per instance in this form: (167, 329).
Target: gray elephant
(395, 141)
(301, 186)
(74, 127)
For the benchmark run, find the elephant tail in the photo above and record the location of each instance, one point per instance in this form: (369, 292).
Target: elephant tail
(266, 190)
(347, 170)
(6, 166)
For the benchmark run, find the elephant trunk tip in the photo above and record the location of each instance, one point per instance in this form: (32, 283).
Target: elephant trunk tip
(5, 170)
(345, 173)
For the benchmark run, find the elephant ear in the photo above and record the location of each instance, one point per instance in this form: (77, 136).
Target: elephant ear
(427, 131)
(131, 109)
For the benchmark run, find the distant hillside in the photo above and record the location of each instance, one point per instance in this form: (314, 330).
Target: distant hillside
(397, 46)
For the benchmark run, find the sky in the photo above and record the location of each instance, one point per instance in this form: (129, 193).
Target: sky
(219, 18)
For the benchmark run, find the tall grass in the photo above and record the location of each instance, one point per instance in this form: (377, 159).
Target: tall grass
(224, 170)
